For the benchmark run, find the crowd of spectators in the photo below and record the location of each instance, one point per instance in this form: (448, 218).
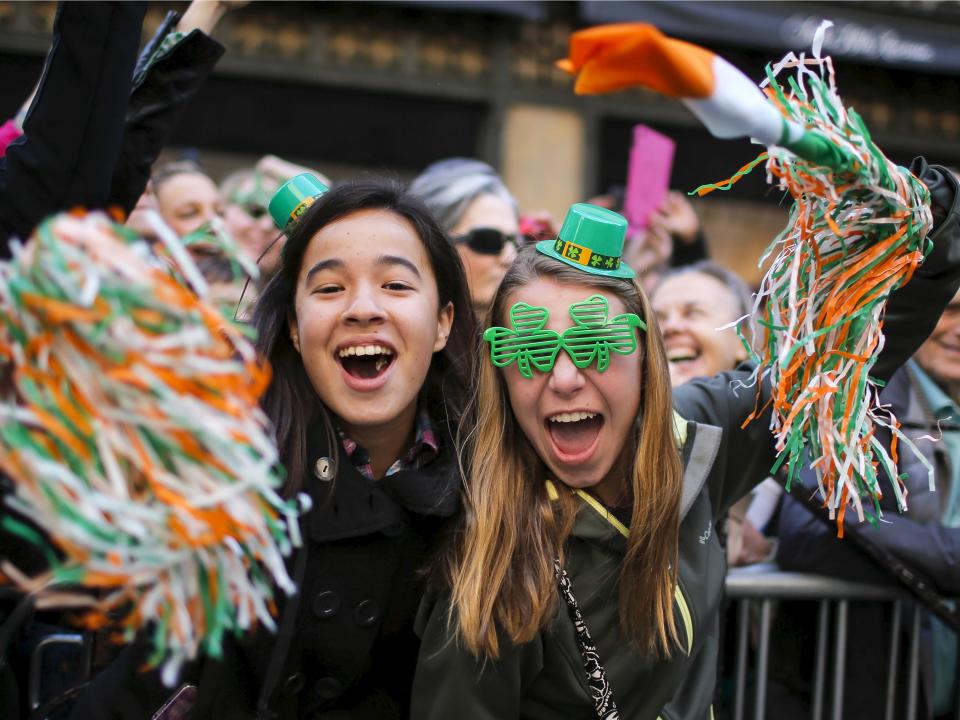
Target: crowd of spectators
(123, 108)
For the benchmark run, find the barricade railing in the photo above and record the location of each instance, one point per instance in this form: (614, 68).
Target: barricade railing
(765, 583)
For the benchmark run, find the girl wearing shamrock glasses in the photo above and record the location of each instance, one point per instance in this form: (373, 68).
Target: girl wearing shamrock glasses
(585, 577)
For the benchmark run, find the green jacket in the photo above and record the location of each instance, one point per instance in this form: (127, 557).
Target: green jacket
(545, 679)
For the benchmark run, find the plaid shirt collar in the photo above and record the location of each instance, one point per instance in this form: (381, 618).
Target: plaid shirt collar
(424, 449)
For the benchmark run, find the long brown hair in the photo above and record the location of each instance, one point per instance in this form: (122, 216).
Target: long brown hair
(500, 566)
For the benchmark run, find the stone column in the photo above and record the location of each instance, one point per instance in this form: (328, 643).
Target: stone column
(543, 157)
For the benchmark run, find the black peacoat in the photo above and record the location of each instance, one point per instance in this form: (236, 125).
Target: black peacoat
(345, 645)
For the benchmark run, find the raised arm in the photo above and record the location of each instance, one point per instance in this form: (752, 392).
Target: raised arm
(75, 125)
(913, 310)
(746, 454)
(172, 68)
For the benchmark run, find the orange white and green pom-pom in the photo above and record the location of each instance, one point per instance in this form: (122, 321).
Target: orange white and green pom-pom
(135, 442)
(857, 232)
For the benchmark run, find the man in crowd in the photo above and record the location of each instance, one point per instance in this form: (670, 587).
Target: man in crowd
(925, 397)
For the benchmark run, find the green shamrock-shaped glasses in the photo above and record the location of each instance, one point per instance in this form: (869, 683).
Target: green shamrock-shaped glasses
(591, 338)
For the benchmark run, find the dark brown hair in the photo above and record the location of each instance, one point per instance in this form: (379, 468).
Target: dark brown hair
(291, 402)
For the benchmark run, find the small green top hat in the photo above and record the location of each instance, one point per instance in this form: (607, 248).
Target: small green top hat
(293, 198)
(591, 240)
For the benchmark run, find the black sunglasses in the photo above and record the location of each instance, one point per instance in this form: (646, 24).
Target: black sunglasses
(254, 210)
(485, 241)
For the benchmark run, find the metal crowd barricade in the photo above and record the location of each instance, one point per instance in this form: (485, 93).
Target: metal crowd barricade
(765, 583)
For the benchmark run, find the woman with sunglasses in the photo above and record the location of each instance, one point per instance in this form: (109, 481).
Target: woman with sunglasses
(480, 216)
(246, 194)
(368, 331)
(585, 577)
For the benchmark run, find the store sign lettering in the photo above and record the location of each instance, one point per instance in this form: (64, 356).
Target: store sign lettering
(853, 40)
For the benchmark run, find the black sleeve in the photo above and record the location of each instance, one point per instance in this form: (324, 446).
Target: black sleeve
(74, 128)
(808, 544)
(913, 310)
(689, 253)
(127, 689)
(161, 93)
(747, 454)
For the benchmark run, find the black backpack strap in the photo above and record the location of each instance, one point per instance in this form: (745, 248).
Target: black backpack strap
(600, 691)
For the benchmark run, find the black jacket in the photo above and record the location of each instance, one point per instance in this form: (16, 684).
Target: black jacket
(98, 124)
(161, 92)
(351, 645)
(345, 641)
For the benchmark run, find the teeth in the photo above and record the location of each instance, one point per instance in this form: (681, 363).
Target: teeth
(381, 364)
(361, 350)
(681, 355)
(572, 417)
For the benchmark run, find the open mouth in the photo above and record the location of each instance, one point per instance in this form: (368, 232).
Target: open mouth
(575, 433)
(366, 362)
(683, 355)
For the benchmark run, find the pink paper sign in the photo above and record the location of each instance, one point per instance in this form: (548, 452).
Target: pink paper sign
(648, 175)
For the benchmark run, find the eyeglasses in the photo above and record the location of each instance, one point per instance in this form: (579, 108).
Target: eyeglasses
(591, 339)
(485, 241)
(254, 199)
(254, 210)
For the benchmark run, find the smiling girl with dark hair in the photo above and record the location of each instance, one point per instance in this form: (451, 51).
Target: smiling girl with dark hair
(368, 328)
(319, 278)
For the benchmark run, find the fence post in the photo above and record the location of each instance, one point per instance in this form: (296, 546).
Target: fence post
(914, 664)
(763, 655)
(840, 658)
(823, 618)
(894, 659)
(743, 621)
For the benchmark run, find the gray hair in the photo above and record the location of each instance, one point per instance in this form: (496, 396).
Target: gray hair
(729, 279)
(449, 186)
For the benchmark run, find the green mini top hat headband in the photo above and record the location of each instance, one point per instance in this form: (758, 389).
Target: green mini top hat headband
(293, 198)
(591, 338)
(591, 239)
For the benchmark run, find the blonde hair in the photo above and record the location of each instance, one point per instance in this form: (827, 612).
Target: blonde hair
(500, 565)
